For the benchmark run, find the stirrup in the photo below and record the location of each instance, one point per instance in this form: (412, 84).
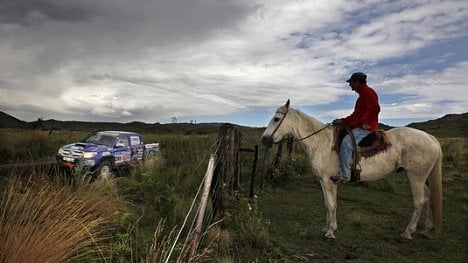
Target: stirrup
(336, 178)
(355, 175)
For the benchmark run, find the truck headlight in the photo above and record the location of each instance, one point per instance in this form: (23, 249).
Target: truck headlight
(89, 162)
(89, 155)
(60, 151)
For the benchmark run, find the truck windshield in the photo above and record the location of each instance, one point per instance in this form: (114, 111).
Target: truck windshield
(101, 138)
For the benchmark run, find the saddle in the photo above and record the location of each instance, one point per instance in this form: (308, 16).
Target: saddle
(371, 145)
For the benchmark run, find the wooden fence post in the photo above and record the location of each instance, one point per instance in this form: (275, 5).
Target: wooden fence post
(227, 172)
(254, 168)
(264, 171)
(202, 207)
(278, 154)
(290, 146)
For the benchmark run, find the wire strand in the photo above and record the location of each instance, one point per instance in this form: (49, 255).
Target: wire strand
(191, 207)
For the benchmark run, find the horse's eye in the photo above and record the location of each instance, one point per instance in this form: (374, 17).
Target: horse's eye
(275, 119)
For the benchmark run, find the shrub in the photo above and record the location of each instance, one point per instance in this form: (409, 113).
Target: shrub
(453, 150)
(253, 232)
(246, 235)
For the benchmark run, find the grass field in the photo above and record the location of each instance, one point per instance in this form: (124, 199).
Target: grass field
(284, 222)
(370, 218)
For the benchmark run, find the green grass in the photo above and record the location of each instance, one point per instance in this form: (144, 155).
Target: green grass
(284, 222)
(369, 222)
(20, 146)
(370, 216)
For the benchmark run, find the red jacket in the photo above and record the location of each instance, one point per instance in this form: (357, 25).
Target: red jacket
(366, 110)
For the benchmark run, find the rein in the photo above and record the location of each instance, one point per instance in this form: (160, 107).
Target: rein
(312, 134)
(296, 140)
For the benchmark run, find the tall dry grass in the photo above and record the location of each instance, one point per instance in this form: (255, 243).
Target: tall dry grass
(160, 245)
(56, 221)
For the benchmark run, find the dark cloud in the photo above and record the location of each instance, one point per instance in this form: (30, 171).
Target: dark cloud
(94, 32)
(29, 13)
(104, 59)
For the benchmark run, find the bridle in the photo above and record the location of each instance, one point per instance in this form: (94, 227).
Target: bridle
(281, 121)
(296, 140)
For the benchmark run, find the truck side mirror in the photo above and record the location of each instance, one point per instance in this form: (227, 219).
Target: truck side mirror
(119, 145)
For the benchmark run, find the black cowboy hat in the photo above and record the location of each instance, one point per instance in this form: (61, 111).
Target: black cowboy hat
(359, 76)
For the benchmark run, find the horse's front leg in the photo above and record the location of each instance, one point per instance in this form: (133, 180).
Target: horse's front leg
(329, 196)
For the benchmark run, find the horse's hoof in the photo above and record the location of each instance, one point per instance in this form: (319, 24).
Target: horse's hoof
(328, 239)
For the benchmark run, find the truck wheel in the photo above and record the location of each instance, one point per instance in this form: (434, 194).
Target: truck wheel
(104, 171)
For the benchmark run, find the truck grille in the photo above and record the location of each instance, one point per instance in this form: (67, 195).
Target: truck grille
(72, 153)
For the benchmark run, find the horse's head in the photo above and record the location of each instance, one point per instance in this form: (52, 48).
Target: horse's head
(278, 128)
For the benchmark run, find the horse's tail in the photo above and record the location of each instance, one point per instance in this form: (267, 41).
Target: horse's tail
(435, 184)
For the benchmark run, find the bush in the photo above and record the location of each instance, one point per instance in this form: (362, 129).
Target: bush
(248, 235)
(453, 150)
(254, 232)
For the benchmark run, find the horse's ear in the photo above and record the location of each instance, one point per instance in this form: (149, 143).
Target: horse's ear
(287, 104)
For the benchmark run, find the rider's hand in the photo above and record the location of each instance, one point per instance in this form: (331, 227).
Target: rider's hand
(337, 122)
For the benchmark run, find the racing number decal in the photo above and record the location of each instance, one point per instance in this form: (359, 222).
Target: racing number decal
(122, 156)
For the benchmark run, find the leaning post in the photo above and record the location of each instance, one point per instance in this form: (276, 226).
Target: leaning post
(202, 207)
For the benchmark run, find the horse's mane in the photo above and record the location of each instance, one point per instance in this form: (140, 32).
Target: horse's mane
(312, 123)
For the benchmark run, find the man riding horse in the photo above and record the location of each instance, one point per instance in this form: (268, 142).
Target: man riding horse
(361, 122)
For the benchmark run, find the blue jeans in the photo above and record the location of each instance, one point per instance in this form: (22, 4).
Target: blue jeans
(346, 150)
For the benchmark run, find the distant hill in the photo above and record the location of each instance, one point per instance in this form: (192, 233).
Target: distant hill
(8, 121)
(179, 128)
(451, 125)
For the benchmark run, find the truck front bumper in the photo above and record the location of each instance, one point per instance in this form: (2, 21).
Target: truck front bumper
(74, 162)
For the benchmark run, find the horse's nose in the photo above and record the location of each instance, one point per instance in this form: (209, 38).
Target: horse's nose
(267, 141)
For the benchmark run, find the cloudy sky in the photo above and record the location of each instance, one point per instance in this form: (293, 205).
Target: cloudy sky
(230, 60)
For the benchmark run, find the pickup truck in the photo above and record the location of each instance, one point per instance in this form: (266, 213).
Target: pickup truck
(104, 151)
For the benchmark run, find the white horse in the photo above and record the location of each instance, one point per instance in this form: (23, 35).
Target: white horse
(415, 151)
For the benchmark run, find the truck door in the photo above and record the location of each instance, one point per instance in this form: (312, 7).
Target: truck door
(136, 144)
(122, 151)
